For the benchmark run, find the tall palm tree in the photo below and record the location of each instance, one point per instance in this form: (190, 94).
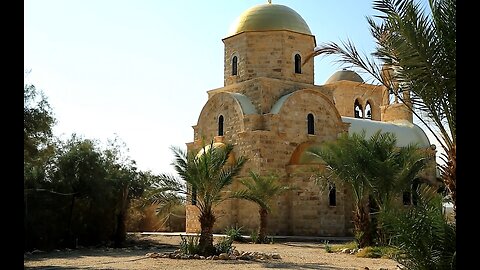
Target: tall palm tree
(418, 53)
(261, 190)
(374, 166)
(208, 174)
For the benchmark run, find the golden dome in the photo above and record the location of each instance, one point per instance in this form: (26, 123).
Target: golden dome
(268, 17)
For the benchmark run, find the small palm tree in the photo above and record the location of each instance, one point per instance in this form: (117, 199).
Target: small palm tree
(261, 190)
(208, 174)
(374, 166)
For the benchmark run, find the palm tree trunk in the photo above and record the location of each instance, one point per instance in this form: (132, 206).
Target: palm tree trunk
(449, 176)
(205, 244)
(262, 232)
(362, 226)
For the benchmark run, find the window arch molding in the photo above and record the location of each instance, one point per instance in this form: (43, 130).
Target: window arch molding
(221, 120)
(297, 62)
(310, 124)
(368, 109)
(234, 64)
(358, 111)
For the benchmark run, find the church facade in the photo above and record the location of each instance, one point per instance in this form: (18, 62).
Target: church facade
(272, 112)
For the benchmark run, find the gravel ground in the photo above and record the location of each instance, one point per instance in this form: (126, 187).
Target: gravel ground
(294, 255)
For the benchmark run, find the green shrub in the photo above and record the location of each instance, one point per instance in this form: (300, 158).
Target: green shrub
(349, 245)
(421, 233)
(224, 246)
(235, 233)
(370, 252)
(254, 236)
(328, 247)
(189, 244)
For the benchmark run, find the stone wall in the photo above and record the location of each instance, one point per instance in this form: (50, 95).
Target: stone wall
(346, 92)
(268, 54)
(396, 112)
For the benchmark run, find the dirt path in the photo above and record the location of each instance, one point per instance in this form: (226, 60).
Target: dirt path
(294, 255)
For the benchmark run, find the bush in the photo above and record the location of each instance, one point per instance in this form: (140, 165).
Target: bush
(254, 236)
(224, 246)
(189, 244)
(235, 233)
(349, 245)
(370, 252)
(422, 234)
(328, 247)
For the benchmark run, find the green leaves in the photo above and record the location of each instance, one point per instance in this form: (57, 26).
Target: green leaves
(208, 171)
(424, 238)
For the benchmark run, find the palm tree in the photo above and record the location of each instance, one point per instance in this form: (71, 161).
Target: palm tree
(373, 167)
(418, 53)
(390, 169)
(422, 235)
(261, 190)
(343, 162)
(207, 173)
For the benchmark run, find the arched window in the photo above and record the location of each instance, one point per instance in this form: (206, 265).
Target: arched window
(234, 65)
(310, 124)
(368, 111)
(357, 108)
(332, 195)
(220, 125)
(298, 63)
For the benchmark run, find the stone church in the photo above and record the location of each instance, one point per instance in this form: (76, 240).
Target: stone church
(272, 112)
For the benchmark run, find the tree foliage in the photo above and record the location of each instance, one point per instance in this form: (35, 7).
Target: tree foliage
(204, 175)
(417, 51)
(75, 192)
(425, 240)
(261, 190)
(373, 167)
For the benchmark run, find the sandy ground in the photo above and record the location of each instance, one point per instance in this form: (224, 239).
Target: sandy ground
(294, 255)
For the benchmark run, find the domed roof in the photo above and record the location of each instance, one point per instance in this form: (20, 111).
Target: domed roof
(267, 17)
(344, 75)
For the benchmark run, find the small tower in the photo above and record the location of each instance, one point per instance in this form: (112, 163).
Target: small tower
(395, 111)
(268, 40)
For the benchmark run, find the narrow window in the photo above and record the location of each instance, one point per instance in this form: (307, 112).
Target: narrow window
(310, 124)
(220, 125)
(368, 110)
(358, 109)
(194, 196)
(332, 195)
(298, 63)
(234, 65)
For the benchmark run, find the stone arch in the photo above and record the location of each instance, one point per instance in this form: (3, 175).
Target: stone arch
(368, 108)
(227, 105)
(291, 110)
(300, 155)
(358, 108)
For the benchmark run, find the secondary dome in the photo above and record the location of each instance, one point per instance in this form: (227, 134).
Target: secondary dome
(344, 75)
(267, 17)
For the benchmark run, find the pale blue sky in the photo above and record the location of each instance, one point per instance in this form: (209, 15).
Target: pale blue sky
(141, 69)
